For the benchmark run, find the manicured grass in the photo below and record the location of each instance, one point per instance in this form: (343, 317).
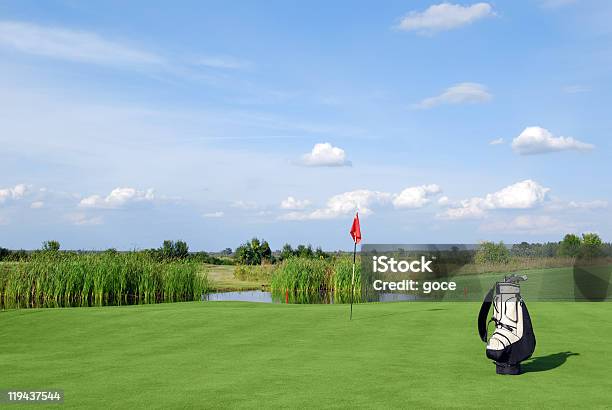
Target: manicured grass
(543, 284)
(231, 354)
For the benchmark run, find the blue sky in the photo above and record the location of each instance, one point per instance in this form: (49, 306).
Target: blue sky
(123, 124)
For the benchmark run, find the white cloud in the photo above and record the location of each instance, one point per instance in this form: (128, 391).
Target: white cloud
(71, 45)
(343, 204)
(246, 205)
(458, 94)
(415, 197)
(16, 192)
(83, 219)
(37, 204)
(528, 224)
(117, 198)
(217, 214)
(364, 200)
(597, 204)
(223, 62)
(359, 200)
(521, 195)
(443, 201)
(496, 141)
(538, 140)
(325, 155)
(293, 203)
(444, 16)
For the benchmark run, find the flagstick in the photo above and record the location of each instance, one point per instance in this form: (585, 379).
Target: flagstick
(353, 279)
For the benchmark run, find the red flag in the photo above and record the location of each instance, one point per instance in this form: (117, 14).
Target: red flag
(356, 229)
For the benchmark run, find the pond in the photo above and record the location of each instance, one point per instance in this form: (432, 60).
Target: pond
(298, 297)
(235, 296)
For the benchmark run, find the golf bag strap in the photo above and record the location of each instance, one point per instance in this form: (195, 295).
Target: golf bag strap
(484, 312)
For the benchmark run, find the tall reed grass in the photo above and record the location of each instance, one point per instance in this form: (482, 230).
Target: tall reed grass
(306, 275)
(99, 279)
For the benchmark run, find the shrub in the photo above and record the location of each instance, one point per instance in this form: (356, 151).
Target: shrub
(302, 251)
(172, 249)
(489, 252)
(591, 246)
(254, 252)
(570, 245)
(51, 246)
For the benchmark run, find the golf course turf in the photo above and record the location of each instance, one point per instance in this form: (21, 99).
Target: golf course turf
(236, 354)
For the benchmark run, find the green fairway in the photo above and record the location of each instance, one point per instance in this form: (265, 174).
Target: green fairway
(230, 354)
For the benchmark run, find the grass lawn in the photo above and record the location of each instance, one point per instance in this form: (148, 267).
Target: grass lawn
(232, 354)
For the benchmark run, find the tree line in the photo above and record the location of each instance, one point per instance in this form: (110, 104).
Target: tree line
(589, 245)
(169, 250)
(257, 251)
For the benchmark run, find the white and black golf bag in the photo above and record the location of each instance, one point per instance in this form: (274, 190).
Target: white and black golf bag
(513, 339)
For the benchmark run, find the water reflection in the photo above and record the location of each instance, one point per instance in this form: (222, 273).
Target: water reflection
(299, 297)
(243, 296)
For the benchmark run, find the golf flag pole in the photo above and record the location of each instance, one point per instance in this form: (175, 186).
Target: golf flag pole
(356, 235)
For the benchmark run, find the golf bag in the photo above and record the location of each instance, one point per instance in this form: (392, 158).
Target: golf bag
(513, 339)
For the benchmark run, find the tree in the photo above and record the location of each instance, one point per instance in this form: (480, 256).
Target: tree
(253, 252)
(304, 251)
(181, 249)
(265, 251)
(227, 252)
(286, 252)
(592, 245)
(51, 246)
(489, 252)
(570, 245)
(4, 253)
(172, 249)
(522, 249)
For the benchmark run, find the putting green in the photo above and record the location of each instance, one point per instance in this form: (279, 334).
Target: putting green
(230, 354)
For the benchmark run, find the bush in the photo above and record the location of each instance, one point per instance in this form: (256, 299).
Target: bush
(489, 252)
(254, 252)
(570, 245)
(172, 249)
(51, 246)
(592, 246)
(302, 251)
